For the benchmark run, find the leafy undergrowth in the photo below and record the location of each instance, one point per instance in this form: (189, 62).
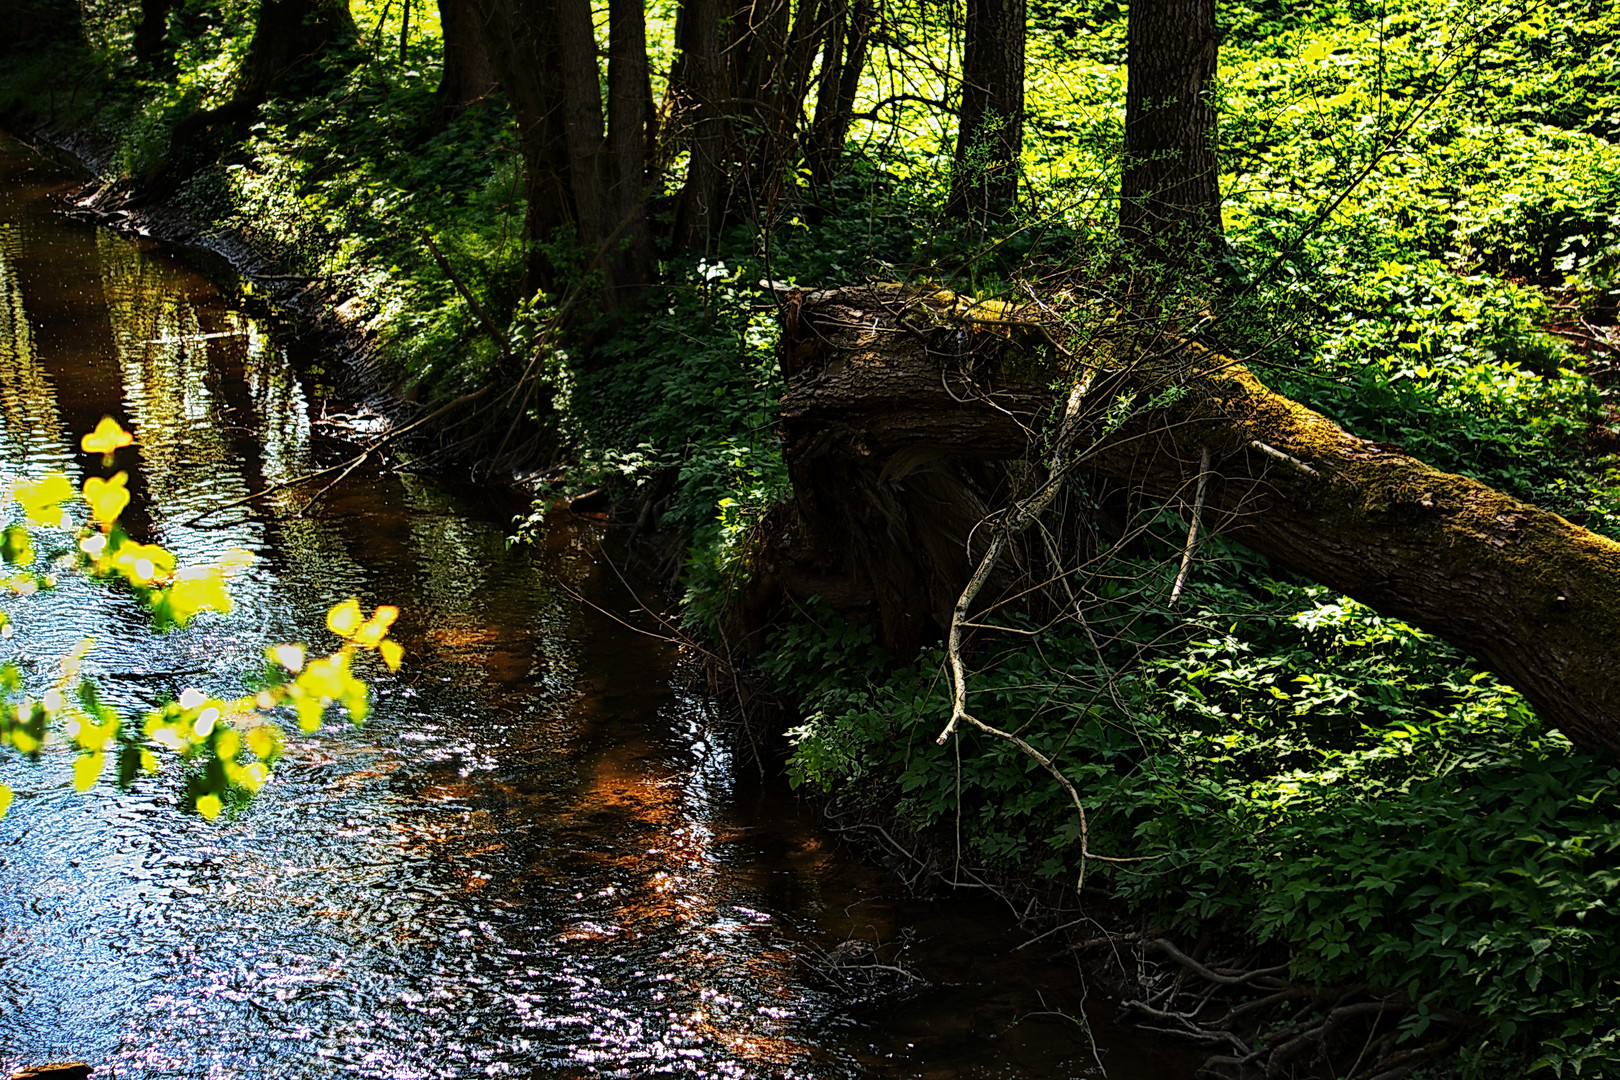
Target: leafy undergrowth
(1307, 775)
(1415, 192)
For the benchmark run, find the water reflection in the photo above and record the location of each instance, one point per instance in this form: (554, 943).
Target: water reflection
(536, 859)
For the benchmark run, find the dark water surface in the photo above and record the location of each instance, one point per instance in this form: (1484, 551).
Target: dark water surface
(537, 858)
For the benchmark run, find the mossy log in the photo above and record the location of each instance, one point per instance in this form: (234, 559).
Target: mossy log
(905, 423)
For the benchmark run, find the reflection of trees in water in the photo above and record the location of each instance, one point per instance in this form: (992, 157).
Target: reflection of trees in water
(31, 433)
(163, 360)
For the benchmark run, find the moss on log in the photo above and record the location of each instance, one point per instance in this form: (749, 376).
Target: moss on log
(896, 407)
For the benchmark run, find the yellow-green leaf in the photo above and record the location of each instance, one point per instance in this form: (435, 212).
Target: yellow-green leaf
(374, 629)
(86, 769)
(344, 619)
(5, 799)
(42, 499)
(108, 436)
(392, 653)
(107, 498)
(209, 806)
(17, 546)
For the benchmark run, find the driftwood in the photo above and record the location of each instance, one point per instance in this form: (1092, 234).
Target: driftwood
(908, 423)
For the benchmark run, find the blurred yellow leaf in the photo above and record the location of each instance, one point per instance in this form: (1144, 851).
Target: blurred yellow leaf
(196, 589)
(209, 806)
(107, 498)
(290, 657)
(85, 770)
(141, 564)
(327, 677)
(107, 437)
(5, 799)
(264, 741)
(376, 628)
(344, 619)
(94, 736)
(41, 499)
(310, 712)
(228, 745)
(392, 653)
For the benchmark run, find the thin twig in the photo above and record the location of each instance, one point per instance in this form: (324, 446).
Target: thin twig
(1192, 529)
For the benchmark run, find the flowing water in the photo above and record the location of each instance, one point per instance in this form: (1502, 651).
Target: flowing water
(536, 858)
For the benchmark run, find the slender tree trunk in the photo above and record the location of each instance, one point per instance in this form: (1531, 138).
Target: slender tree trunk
(1170, 195)
(892, 437)
(631, 120)
(468, 75)
(586, 180)
(151, 31)
(287, 38)
(990, 138)
(581, 102)
(35, 23)
(843, 62)
(702, 90)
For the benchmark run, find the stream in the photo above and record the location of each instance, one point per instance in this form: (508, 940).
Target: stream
(538, 857)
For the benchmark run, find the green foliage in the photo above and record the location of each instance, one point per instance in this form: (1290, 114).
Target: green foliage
(1343, 787)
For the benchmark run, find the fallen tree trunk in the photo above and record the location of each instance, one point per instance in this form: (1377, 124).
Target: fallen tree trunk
(910, 418)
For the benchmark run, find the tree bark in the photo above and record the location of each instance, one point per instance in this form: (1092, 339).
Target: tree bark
(151, 31)
(632, 121)
(287, 34)
(892, 416)
(736, 104)
(586, 182)
(35, 23)
(1170, 196)
(697, 88)
(843, 61)
(468, 75)
(984, 177)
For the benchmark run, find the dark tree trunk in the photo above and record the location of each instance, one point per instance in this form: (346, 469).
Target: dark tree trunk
(468, 75)
(586, 184)
(151, 31)
(736, 104)
(288, 36)
(890, 429)
(698, 93)
(843, 61)
(1170, 196)
(632, 121)
(984, 177)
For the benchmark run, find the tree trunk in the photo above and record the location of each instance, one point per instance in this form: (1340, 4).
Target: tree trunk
(632, 121)
(32, 24)
(984, 176)
(697, 88)
(736, 104)
(843, 61)
(151, 31)
(1170, 197)
(890, 421)
(468, 75)
(586, 181)
(286, 36)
